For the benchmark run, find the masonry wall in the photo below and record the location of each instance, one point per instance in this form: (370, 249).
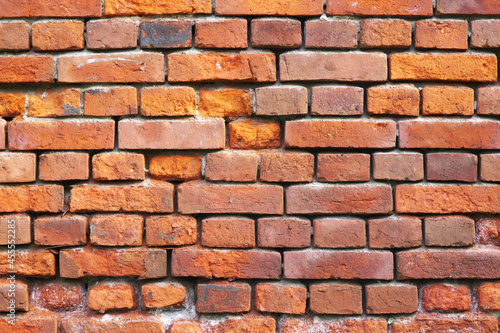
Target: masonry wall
(249, 166)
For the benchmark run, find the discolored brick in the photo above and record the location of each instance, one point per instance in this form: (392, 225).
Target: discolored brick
(376, 33)
(60, 295)
(175, 167)
(32, 262)
(66, 230)
(252, 134)
(458, 323)
(339, 233)
(331, 34)
(276, 33)
(157, 295)
(118, 166)
(55, 103)
(401, 232)
(280, 298)
(489, 167)
(391, 299)
(398, 166)
(171, 230)
(281, 232)
(225, 103)
(452, 166)
(171, 101)
(484, 7)
(231, 166)
(293, 325)
(286, 167)
(228, 232)
(343, 168)
(17, 167)
(488, 295)
(63, 166)
(327, 298)
(111, 34)
(377, 8)
(446, 298)
(484, 33)
(103, 297)
(223, 297)
(116, 230)
(12, 104)
(340, 100)
(165, 34)
(105, 102)
(15, 295)
(449, 231)
(281, 101)
(21, 226)
(488, 100)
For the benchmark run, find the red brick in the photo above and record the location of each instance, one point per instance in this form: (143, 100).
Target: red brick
(343, 167)
(331, 34)
(157, 7)
(228, 232)
(118, 166)
(221, 34)
(104, 296)
(402, 100)
(59, 296)
(26, 69)
(105, 102)
(444, 264)
(142, 263)
(385, 33)
(298, 325)
(484, 33)
(452, 166)
(119, 323)
(398, 166)
(17, 167)
(171, 230)
(31, 322)
(276, 33)
(118, 67)
(458, 323)
(252, 134)
(166, 34)
(280, 232)
(15, 295)
(488, 295)
(61, 135)
(447, 100)
(152, 196)
(307, 66)
(280, 298)
(66, 230)
(231, 166)
(489, 168)
(157, 295)
(449, 231)
(175, 167)
(391, 299)
(57, 36)
(111, 34)
(171, 101)
(223, 297)
(401, 232)
(199, 197)
(14, 36)
(446, 298)
(488, 231)
(378, 8)
(281, 101)
(339, 233)
(171, 134)
(335, 199)
(339, 101)
(443, 67)
(32, 262)
(452, 134)
(273, 7)
(340, 134)
(482, 7)
(329, 298)
(203, 67)
(35, 198)
(235, 264)
(55, 103)
(286, 167)
(51, 8)
(116, 230)
(21, 226)
(441, 35)
(12, 104)
(225, 103)
(63, 166)
(3, 125)
(346, 265)
(248, 323)
(488, 100)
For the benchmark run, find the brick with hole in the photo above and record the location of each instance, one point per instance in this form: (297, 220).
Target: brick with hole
(481, 7)
(171, 230)
(401, 100)
(234, 166)
(160, 7)
(57, 35)
(105, 102)
(488, 295)
(331, 34)
(17, 167)
(452, 167)
(35, 198)
(12, 103)
(398, 166)
(276, 33)
(488, 100)
(401, 232)
(20, 224)
(33, 262)
(253, 134)
(329, 298)
(339, 233)
(64, 230)
(175, 167)
(55, 103)
(281, 101)
(225, 103)
(386, 33)
(446, 298)
(343, 168)
(456, 231)
(443, 34)
(116, 230)
(14, 36)
(292, 325)
(283, 232)
(377, 8)
(484, 33)
(171, 101)
(221, 34)
(159, 295)
(111, 296)
(337, 100)
(60, 295)
(118, 166)
(286, 167)
(489, 167)
(488, 231)
(228, 232)
(457, 323)
(63, 166)
(165, 34)
(384, 299)
(447, 100)
(111, 34)
(15, 295)
(223, 297)
(26, 69)
(280, 298)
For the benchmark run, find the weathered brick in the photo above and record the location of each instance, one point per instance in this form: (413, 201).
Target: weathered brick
(489, 167)
(152, 196)
(234, 264)
(458, 323)
(57, 36)
(446, 298)
(252, 134)
(28, 69)
(12, 104)
(113, 67)
(273, 7)
(280, 232)
(63, 166)
(107, 296)
(225, 103)
(482, 7)
(15, 295)
(276, 33)
(35, 198)
(157, 295)
(441, 34)
(221, 34)
(14, 36)
(443, 67)
(488, 100)
(398, 166)
(343, 168)
(377, 33)
(340, 134)
(281, 101)
(339, 233)
(111, 34)
(55, 103)
(19, 224)
(51, 8)
(453, 134)
(203, 67)
(249, 323)
(280, 298)
(171, 230)
(378, 8)
(171, 134)
(298, 325)
(445, 199)
(338, 101)
(66, 230)
(3, 125)
(488, 231)
(391, 299)
(31, 322)
(223, 297)
(401, 100)
(401, 232)
(165, 34)
(331, 34)
(156, 7)
(118, 166)
(143, 263)
(32, 262)
(120, 323)
(105, 102)
(228, 232)
(171, 101)
(198, 197)
(488, 295)
(59, 295)
(336, 199)
(327, 298)
(449, 231)
(484, 33)
(286, 167)
(175, 167)
(231, 166)
(17, 167)
(320, 264)
(306, 66)
(447, 100)
(116, 230)
(452, 166)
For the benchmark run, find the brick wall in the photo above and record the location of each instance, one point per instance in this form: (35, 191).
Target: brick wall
(235, 166)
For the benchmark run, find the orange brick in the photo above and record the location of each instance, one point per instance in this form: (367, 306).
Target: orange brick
(12, 104)
(458, 323)
(63, 166)
(55, 103)
(339, 233)
(29, 69)
(489, 167)
(343, 168)
(111, 34)
(385, 33)
(380, 8)
(233, 297)
(276, 33)
(286, 167)
(116, 230)
(104, 296)
(14, 36)
(118, 166)
(225, 103)
(157, 295)
(67, 230)
(441, 35)
(391, 299)
(398, 166)
(105, 102)
(292, 325)
(402, 100)
(171, 101)
(35, 198)
(447, 100)
(51, 8)
(175, 167)
(221, 34)
(16, 295)
(171, 230)
(489, 296)
(336, 299)
(57, 36)
(125, 322)
(156, 7)
(21, 223)
(251, 134)
(446, 298)
(272, 7)
(331, 34)
(35, 263)
(283, 232)
(231, 166)
(270, 297)
(17, 167)
(228, 232)
(60, 296)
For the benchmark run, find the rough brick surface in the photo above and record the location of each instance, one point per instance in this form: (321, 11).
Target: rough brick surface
(68, 230)
(280, 298)
(233, 32)
(116, 230)
(29, 69)
(391, 299)
(449, 231)
(343, 167)
(118, 166)
(376, 33)
(447, 100)
(103, 297)
(225, 103)
(343, 299)
(50, 103)
(375, 8)
(17, 167)
(223, 297)
(21, 225)
(168, 230)
(157, 295)
(446, 298)
(331, 34)
(402, 100)
(120, 101)
(283, 232)
(342, 101)
(251, 134)
(270, 33)
(339, 233)
(487, 100)
(484, 33)
(489, 171)
(441, 35)
(232, 166)
(15, 36)
(452, 167)
(55, 36)
(286, 167)
(394, 166)
(403, 232)
(63, 166)
(228, 232)
(281, 101)
(257, 7)
(426, 323)
(111, 34)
